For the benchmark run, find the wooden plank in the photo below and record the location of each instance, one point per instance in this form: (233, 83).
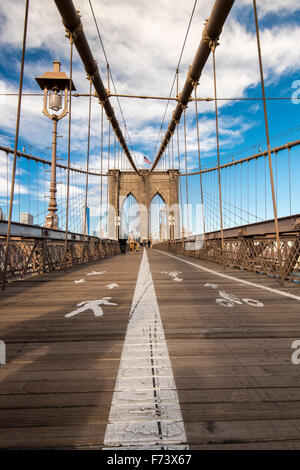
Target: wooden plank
(232, 367)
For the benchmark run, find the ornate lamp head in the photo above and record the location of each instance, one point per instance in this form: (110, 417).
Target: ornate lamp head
(55, 84)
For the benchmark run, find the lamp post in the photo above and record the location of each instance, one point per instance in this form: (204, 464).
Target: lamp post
(56, 85)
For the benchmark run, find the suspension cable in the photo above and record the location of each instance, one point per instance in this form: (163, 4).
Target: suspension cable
(101, 171)
(186, 177)
(109, 74)
(213, 45)
(199, 156)
(87, 163)
(268, 142)
(175, 79)
(13, 176)
(180, 189)
(290, 186)
(69, 149)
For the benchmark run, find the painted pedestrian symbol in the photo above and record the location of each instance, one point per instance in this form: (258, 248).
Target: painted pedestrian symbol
(112, 285)
(93, 305)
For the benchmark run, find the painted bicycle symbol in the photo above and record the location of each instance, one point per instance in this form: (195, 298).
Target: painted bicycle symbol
(230, 300)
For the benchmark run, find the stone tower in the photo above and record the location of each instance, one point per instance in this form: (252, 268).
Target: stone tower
(143, 188)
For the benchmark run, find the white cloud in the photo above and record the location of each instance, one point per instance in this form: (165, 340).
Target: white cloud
(143, 40)
(274, 6)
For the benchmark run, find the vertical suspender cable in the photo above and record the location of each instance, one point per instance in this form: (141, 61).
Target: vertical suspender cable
(213, 45)
(13, 176)
(290, 186)
(235, 171)
(44, 186)
(7, 204)
(37, 190)
(199, 157)
(19, 181)
(241, 209)
(268, 143)
(107, 194)
(180, 190)
(28, 190)
(87, 163)
(276, 170)
(265, 160)
(114, 151)
(248, 208)
(101, 171)
(173, 151)
(230, 185)
(186, 176)
(69, 149)
(256, 189)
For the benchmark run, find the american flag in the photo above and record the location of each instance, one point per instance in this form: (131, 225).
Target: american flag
(146, 160)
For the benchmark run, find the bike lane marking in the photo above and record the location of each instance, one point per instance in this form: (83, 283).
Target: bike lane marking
(232, 278)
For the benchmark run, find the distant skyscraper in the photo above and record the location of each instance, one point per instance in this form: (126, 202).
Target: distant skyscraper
(2, 215)
(26, 218)
(87, 220)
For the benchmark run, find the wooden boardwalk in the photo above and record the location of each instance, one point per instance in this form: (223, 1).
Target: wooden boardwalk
(236, 384)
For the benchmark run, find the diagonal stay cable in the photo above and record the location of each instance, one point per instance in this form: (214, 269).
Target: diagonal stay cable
(175, 75)
(110, 74)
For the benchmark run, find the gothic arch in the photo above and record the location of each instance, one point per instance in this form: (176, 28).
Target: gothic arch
(158, 193)
(158, 217)
(129, 216)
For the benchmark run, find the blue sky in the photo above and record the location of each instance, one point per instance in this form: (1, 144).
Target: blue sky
(143, 42)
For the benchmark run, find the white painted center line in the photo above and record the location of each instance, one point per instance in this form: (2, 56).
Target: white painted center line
(145, 411)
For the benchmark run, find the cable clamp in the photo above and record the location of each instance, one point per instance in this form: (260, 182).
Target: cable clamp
(213, 43)
(190, 79)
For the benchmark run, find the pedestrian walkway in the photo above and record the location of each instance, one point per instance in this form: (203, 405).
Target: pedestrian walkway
(213, 350)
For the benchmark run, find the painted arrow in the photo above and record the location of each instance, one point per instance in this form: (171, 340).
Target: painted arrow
(79, 281)
(112, 285)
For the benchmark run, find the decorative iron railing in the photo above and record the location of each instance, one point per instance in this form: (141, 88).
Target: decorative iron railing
(36, 255)
(259, 254)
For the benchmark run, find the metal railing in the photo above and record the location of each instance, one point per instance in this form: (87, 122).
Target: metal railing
(35, 250)
(257, 254)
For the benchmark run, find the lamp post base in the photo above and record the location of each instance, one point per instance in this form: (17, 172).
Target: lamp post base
(51, 221)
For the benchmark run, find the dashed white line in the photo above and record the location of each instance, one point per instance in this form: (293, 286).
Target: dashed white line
(145, 411)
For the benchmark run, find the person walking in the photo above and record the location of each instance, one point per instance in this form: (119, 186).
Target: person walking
(132, 246)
